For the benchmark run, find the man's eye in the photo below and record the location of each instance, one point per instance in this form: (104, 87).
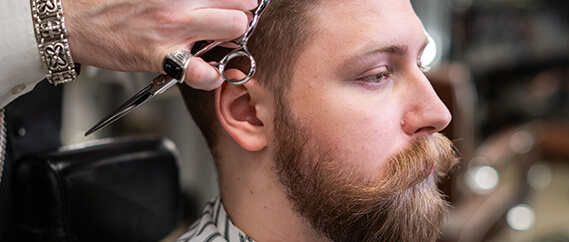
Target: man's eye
(377, 78)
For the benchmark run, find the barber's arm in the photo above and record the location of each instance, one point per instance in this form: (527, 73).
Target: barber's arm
(20, 63)
(121, 35)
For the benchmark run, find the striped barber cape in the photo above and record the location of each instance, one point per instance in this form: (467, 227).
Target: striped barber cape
(214, 226)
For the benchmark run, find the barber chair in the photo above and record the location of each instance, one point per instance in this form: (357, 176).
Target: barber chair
(106, 190)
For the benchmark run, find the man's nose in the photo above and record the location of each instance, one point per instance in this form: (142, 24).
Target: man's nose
(425, 113)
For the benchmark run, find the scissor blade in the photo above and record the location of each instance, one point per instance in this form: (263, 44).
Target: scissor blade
(125, 108)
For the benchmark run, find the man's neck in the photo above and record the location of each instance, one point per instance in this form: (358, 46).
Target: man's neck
(256, 203)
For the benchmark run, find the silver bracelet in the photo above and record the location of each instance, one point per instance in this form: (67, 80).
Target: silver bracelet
(52, 41)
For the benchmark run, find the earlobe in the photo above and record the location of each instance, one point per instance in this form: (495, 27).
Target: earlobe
(237, 112)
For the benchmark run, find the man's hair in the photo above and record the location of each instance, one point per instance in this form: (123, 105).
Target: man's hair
(282, 33)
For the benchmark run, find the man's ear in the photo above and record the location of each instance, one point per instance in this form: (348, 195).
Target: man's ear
(238, 112)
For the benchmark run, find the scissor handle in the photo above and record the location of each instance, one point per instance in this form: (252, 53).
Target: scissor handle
(239, 52)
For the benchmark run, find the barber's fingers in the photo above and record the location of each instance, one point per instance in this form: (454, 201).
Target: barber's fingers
(230, 4)
(201, 75)
(213, 22)
(204, 24)
(216, 24)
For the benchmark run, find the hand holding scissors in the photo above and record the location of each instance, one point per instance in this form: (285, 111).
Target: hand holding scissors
(175, 65)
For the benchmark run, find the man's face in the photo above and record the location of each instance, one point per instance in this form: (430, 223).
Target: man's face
(358, 88)
(358, 102)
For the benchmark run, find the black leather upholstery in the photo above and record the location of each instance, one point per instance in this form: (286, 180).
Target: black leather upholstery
(33, 123)
(114, 190)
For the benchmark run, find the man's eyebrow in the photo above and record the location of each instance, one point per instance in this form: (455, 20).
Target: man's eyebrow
(363, 55)
(400, 50)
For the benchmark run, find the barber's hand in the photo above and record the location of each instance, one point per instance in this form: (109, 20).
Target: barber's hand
(135, 35)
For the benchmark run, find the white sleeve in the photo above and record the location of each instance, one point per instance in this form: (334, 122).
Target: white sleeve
(20, 63)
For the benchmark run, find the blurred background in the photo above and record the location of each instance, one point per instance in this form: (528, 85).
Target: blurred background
(502, 67)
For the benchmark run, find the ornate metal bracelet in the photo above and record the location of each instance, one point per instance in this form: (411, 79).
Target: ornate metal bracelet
(52, 41)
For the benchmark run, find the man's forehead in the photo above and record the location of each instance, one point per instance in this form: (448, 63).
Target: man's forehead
(350, 29)
(369, 19)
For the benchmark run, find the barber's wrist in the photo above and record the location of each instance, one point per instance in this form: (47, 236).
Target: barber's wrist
(51, 36)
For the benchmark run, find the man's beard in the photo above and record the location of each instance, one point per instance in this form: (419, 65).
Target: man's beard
(405, 205)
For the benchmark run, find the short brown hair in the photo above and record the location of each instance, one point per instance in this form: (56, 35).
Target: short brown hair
(281, 35)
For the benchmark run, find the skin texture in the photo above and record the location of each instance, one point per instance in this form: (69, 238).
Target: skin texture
(127, 35)
(359, 96)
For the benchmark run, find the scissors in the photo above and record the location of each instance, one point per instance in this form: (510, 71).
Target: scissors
(163, 82)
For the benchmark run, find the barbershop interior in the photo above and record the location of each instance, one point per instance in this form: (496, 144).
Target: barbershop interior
(500, 66)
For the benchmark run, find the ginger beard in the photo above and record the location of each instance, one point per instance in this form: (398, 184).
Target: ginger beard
(404, 205)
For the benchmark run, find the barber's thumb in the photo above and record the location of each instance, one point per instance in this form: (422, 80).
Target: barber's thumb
(201, 75)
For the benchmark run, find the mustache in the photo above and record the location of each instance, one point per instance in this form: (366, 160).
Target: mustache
(433, 154)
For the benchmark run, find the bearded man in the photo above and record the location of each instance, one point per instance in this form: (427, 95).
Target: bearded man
(336, 136)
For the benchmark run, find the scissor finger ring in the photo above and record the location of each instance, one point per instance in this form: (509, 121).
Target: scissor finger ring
(175, 64)
(243, 52)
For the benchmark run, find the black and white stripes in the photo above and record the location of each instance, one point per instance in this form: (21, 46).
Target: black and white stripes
(214, 226)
